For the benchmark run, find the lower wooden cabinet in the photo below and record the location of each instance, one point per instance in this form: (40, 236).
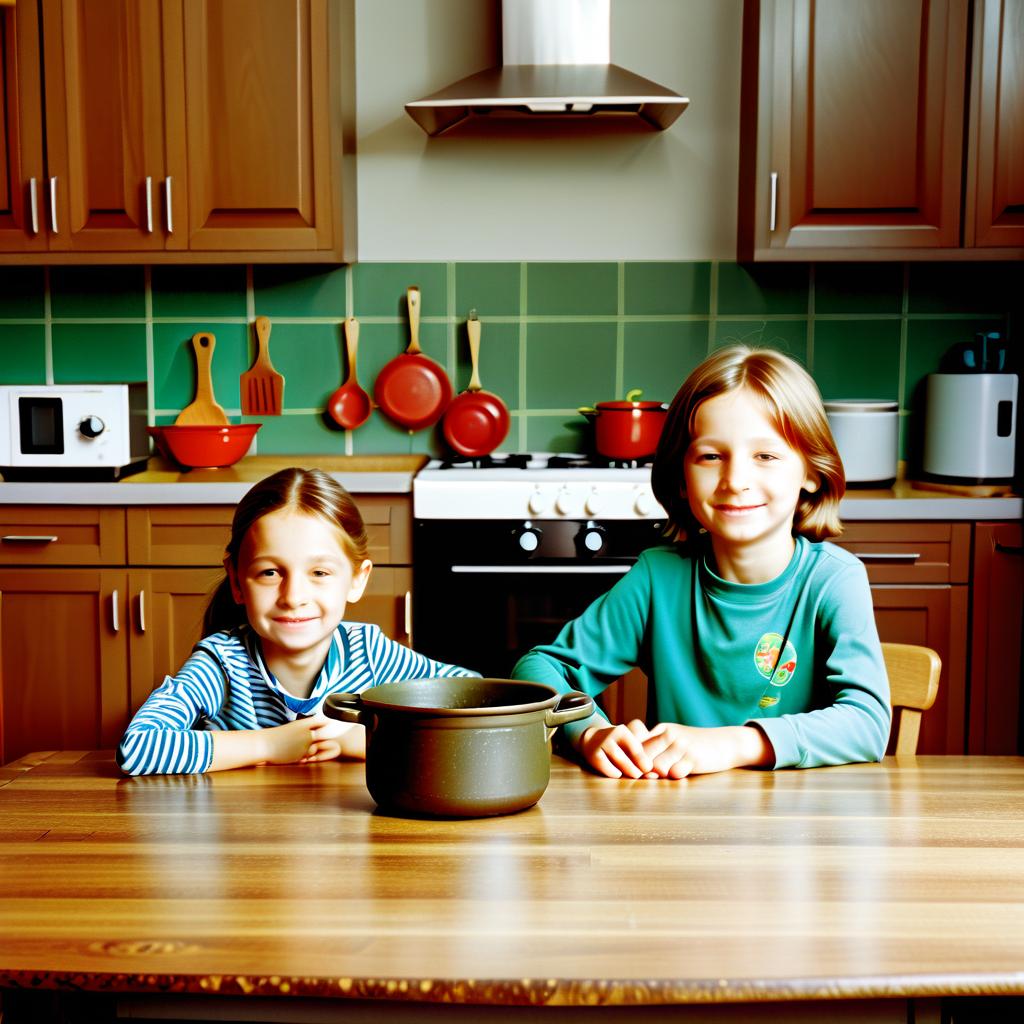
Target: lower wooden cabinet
(82, 647)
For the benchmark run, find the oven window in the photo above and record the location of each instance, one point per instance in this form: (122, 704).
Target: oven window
(42, 426)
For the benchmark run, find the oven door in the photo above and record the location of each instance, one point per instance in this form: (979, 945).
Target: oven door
(482, 602)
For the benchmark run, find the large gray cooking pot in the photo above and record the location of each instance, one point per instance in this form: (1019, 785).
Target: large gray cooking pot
(465, 748)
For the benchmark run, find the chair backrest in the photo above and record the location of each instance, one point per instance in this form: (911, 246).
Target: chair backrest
(913, 685)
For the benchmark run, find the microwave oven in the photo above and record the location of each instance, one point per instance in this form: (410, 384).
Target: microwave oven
(61, 431)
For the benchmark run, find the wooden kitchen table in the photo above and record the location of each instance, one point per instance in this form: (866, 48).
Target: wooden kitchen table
(854, 892)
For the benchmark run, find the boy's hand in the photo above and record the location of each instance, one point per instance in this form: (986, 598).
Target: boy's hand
(291, 742)
(672, 751)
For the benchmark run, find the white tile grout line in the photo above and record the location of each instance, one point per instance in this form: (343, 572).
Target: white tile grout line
(811, 281)
(521, 369)
(712, 307)
(147, 299)
(620, 331)
(47, 328)
(349, 435)
(904, 346)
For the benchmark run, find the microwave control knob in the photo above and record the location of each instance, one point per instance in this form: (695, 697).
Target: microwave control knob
(91, 426)
(644, 503)
(594, 503)
(591, 539)
(529, 538)
(563, 503)
(538, 502)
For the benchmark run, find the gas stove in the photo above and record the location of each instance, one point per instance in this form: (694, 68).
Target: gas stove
(535, 487)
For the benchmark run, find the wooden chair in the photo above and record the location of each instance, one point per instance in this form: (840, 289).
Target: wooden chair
(913, 685)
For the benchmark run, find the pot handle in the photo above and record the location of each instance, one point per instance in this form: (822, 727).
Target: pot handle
(573, 706)
(347, 707)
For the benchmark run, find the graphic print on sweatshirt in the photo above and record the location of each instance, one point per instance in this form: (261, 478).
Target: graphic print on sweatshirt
(775, 659)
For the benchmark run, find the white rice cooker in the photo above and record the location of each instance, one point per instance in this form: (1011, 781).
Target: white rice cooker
(867, 434)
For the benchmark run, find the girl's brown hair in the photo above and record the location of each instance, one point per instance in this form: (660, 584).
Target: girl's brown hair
(301, 490)
(791, 401)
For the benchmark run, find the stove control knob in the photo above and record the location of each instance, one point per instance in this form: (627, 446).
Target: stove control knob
(91, 426)
(529, 538)
(644, 502)
(591, 539)
(594, 503)
(564, 502)
(539, 502)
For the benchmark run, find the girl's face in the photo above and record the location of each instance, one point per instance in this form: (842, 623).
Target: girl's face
(743, 480)
(295, 579)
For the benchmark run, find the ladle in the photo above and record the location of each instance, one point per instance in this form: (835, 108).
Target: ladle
(350, 406)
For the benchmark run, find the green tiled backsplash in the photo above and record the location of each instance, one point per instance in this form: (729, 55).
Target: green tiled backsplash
(554, 335)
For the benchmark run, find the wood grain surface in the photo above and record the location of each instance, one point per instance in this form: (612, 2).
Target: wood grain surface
(865, 881)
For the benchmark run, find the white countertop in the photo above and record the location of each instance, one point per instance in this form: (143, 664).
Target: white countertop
(162, 484)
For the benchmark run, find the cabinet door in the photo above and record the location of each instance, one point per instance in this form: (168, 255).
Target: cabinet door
(259, 100)
(386, 602)
(64, 656)
(995, 197)
(21, 131)
(111, 71)
(934, 617)
(852, 127)
(998, 600)
(165, 617)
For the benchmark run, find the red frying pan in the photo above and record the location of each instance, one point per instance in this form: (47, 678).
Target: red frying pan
(477, 421)
(412, 389)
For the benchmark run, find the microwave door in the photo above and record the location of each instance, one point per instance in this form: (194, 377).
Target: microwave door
(41, 425)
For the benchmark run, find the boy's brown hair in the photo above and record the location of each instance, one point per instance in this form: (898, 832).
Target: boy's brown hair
(791, 401)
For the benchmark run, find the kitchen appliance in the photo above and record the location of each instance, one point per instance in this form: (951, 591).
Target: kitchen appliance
(556, 62)
(64, 431)
(508, 548)
(464, 748)
(867, 434)
(971, 416)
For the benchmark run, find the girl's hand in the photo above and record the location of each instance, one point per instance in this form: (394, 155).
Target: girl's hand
(618, 750)
(676, 751)
(291, 742)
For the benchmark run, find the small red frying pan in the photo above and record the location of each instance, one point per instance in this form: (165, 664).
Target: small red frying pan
(477, 421)
(412, 389)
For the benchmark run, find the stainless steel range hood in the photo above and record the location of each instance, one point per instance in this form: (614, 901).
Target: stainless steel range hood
(556, 64)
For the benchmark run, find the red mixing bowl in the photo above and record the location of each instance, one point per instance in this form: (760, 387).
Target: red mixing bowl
(203, 447)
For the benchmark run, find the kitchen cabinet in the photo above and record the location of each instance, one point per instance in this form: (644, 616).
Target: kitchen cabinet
(97, 605)
(852, 130)
(177, 131)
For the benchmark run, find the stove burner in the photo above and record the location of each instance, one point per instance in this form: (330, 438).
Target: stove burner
(595, 462)
(513, 460)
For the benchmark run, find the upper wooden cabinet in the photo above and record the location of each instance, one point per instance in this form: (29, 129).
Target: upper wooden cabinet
(852, 137)
(177, 131)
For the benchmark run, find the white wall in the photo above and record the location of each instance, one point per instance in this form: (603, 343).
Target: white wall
(539, 192)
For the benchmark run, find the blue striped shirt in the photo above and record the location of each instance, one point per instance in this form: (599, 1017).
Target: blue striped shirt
(225, 685)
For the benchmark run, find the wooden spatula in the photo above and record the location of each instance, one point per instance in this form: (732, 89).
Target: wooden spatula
(204, 410)
(261, 385)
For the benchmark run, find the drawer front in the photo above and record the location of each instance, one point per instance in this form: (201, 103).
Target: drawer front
(179, 534)
(918, 553)
(198, 535)
(61, 535)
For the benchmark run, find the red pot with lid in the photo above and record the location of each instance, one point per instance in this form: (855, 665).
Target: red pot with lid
(627, 430)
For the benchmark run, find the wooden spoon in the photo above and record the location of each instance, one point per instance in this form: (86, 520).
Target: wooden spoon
(204, 410)
(349, 405)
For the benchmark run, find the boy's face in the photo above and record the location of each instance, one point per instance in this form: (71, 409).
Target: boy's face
(743, 479)
(295, 580)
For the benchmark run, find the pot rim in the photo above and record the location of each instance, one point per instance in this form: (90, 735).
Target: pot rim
(377, 704)
(623, 406)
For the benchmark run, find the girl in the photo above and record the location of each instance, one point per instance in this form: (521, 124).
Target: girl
(757, 636)
(275, 644)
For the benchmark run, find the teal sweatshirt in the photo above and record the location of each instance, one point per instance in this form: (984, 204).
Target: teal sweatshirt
(798, 656)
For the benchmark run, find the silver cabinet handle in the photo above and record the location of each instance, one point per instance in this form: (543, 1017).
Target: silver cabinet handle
(149, 205)
(887, 556)
(29, 538)
(53, 205)
(523, 570)
(142, 611)
(114, 621)
(169, 205)
(33, 204)
(408, 614)
(775, 196)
